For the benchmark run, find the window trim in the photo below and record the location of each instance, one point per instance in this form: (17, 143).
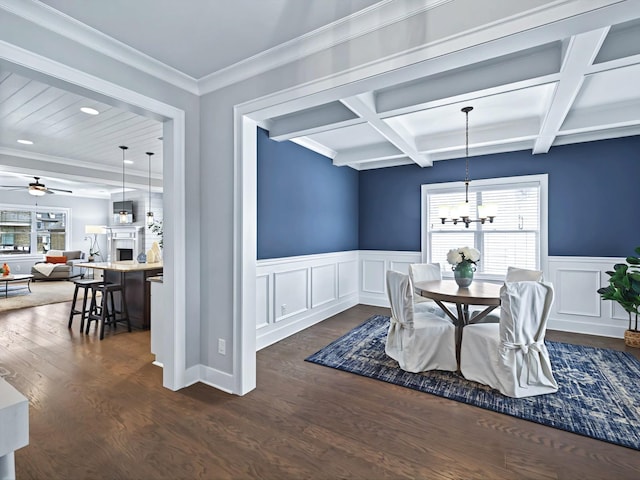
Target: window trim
(540, 179)
(34, 209)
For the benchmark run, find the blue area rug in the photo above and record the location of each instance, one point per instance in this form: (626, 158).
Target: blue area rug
(599, 393)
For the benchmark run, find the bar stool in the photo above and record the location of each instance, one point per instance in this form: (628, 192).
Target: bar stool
(106, 313)
(85, 285)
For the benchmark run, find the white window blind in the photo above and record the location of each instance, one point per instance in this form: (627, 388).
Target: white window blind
(513, 239)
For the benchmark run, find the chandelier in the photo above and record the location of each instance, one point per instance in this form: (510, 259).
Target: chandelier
(460, 213)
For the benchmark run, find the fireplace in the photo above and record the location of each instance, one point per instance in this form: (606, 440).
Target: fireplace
(126, 242)
(124, 254)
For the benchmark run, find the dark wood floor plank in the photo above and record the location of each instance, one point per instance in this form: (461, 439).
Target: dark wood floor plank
(98, 410)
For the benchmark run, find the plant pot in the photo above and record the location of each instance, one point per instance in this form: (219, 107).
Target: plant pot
(632, 338)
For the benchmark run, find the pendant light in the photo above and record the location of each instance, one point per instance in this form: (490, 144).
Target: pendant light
(461, 213)
(149, 213)
(123, 212)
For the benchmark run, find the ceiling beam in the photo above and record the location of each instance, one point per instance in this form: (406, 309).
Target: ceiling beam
(364, 106)
(368, 153)
(580, 53)
(310, 121)
(382, 164)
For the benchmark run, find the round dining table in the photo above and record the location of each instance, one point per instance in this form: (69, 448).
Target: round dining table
(486, 294)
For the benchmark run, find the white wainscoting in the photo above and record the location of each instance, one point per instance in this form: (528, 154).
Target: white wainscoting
(577, 306)
(294, 293)
(373, 270)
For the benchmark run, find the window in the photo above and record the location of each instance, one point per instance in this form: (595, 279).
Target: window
(25, 230)
(517, 237)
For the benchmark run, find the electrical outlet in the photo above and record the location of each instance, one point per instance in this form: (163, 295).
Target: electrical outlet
(283, 309)
(222, 346)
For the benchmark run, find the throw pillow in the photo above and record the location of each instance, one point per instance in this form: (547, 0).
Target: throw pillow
(56, 259)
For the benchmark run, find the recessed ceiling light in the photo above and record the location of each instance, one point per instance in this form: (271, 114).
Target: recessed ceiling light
(25, 142)
(89, 111)
(128, 162)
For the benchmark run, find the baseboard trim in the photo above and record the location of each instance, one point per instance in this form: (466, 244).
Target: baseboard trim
(305, 321)
(586, 328)
(214, 378)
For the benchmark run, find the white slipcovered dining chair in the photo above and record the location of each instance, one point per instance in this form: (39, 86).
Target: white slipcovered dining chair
(514, 274)
(511, 356)
(417, 341)
(424, 272)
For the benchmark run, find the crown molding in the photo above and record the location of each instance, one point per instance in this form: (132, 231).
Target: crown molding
(360, 23)
(69, 27)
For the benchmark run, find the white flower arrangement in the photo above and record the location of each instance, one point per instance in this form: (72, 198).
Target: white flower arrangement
(457, 256)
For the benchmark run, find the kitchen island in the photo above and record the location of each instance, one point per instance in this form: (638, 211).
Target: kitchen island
(133, 277)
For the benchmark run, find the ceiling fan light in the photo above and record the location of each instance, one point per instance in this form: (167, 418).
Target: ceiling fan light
(36, 192)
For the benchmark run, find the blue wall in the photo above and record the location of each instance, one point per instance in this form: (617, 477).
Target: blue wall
(305, 204)
(594, 196)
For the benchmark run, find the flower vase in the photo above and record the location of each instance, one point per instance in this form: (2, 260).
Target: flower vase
(463, 273)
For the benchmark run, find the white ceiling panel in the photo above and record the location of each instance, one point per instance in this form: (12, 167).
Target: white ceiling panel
(619, 85)
(501, 108)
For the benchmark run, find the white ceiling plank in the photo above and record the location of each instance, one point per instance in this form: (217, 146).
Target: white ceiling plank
(364, 107)
(580, 54)
(24, 95)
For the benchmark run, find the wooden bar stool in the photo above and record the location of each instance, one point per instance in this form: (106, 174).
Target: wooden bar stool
(106, 313)
(85, 285)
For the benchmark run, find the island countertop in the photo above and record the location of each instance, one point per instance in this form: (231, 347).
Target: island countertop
(137, 290)
(123, 266)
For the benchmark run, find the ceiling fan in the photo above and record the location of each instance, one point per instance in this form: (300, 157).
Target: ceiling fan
(36, 188)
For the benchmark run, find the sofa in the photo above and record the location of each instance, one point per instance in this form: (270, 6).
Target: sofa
(59, 265)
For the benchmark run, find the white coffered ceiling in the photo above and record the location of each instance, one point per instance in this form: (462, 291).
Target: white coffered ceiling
(569, 88)
(579, 88)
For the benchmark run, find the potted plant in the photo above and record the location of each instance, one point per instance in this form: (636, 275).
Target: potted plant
(464, 264)
(624, 288)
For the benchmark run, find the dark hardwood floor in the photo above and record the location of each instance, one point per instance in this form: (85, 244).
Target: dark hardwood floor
(98, 411)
